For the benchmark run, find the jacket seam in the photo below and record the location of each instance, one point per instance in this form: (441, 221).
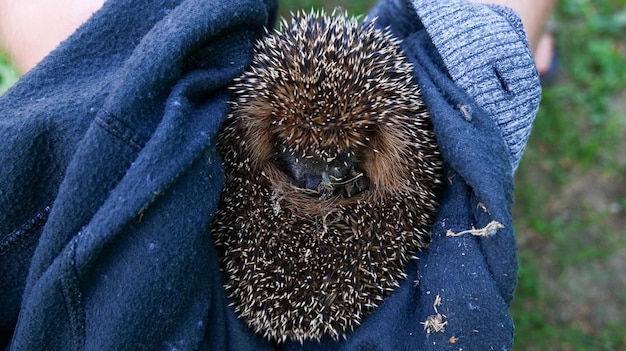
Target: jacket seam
(72, 295)
(118, 129)
(25, 231)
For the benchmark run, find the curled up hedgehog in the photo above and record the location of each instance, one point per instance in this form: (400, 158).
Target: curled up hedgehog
(332, 175)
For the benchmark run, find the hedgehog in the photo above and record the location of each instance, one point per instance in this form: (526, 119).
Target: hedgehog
(332, 175)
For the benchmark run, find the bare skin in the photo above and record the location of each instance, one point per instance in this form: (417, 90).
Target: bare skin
(534, 13)
(30, 29)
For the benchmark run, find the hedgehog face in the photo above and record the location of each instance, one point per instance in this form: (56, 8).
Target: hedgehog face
(329, 161)
(330, 173)
(327, 102)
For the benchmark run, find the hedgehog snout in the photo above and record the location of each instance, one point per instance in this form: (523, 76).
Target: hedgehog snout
(312, 176)
(338, 176)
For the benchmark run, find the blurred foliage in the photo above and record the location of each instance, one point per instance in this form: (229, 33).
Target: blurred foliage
(578, 131)
(355, 8)
(8, 74)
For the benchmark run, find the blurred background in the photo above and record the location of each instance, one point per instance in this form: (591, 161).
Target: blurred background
(570, 208)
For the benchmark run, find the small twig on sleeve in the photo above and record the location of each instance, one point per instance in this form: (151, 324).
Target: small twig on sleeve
(488, 230)
(435, 323)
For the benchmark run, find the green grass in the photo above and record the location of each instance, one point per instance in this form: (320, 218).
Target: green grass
(356, 8)
(572, 157)
(8, 75)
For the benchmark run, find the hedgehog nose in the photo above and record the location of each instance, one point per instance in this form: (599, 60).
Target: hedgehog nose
(330, 177)
(318, 180)
(342, 182)
(310, 181)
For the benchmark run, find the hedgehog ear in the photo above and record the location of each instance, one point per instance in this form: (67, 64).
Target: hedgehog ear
(259, 139)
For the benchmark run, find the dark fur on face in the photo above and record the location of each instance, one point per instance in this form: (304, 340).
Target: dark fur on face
(332, 174)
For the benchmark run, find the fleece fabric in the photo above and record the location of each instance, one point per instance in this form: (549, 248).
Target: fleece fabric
(109, 177)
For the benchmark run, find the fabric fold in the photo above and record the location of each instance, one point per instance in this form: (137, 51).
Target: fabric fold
(126, 236)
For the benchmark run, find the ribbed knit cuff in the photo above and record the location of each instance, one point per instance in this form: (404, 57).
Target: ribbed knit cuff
(485, 50)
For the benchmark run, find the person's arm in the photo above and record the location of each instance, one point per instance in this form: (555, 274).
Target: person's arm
(534, 13)
(30, 29)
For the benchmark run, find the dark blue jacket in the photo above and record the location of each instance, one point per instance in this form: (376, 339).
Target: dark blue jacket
(109, 178)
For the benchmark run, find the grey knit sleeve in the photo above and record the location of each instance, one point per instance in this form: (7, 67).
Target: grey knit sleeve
(485, 49)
